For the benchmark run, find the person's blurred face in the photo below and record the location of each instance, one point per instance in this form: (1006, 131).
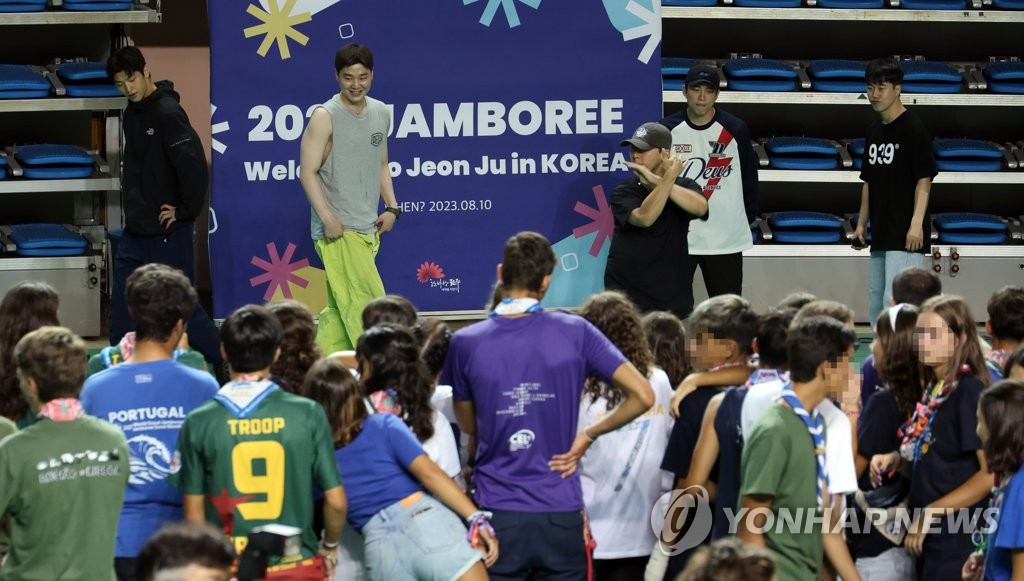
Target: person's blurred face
(933, 340)
(707, 351)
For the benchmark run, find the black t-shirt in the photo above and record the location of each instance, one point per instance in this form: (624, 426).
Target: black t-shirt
(877, 433)
(952, 458)
(686, 430)
(896, 156)
(651, 264)
(952, 448)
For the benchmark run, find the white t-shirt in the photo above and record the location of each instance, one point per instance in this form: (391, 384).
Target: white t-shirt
(622, 477)
(842, 472)
(442, 450)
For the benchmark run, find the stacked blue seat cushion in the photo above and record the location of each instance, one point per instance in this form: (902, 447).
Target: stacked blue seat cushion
(930, 77)
(933, 4)
(969, 228)
(967, 155)
(96, 5)
(805, 227)
(1005, 77)
(837, 76)
(87, 80)
(54, 161)
(755, 74)
(47, 240)
(22, 5)
(21, 82)
(802, 153)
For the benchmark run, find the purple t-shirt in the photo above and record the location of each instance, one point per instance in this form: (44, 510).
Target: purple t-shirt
(869, 381)
(525, 376)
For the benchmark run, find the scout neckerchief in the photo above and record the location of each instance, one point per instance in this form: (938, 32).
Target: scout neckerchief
(766, 375)
(111, 356)
(62, 409)
(245, 393)
(520, 306)
(384, 401)
(816, 427)
(996, 362)
(915, 433)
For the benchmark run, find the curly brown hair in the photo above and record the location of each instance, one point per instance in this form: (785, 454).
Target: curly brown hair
(299, 350)
(389, 357)
(26, 307)
(618, 318)
(666, 337)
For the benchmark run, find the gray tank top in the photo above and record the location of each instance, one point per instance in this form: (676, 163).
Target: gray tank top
(350, 176)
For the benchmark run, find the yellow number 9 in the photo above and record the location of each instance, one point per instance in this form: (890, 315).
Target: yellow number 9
(271, 483)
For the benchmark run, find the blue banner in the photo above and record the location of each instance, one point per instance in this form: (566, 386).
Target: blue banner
(506, 116)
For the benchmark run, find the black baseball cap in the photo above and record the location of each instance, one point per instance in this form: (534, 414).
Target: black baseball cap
(649, 136)
(702, 74)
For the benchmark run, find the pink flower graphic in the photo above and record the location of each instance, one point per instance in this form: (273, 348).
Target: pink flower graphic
(279, 272)
(602, 221)
(429, 270)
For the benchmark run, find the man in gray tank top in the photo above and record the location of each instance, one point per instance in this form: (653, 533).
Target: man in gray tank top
(344, 171)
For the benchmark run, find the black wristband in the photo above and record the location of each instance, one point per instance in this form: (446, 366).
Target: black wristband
(396, 211)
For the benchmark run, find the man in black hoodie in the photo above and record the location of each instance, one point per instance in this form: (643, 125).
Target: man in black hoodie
(164, 180)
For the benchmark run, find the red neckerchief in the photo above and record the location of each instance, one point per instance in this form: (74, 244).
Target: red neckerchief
(64, 409)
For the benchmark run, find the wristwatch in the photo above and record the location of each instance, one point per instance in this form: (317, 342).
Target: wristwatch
(396, 211)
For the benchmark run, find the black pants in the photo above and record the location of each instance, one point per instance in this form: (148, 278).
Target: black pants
(540, 546)
(124, 567)
(723, 273)
(626, 569)
(175, 249)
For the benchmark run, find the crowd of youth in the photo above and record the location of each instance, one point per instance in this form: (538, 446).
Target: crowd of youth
(535, 443)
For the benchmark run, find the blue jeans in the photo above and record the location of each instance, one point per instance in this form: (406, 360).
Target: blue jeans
(885, 265)
(417, 538)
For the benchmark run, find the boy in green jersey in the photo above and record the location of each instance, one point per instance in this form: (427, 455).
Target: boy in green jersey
(251, 456)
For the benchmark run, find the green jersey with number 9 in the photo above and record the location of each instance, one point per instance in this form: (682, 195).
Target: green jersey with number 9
(258, 469)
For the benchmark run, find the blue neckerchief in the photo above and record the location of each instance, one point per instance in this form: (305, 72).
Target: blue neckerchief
(243, 397)
(516, 307)
(816, 427)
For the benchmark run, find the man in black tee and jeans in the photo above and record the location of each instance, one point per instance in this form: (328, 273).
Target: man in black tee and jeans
(649, 260)
(897, 172)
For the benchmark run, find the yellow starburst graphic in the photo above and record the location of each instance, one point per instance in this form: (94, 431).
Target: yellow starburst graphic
(278, 25)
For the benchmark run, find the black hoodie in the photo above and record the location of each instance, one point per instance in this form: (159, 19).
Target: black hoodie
(164, 163)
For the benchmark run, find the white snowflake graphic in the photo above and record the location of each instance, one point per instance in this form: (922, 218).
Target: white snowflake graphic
(508, 6)
(651, 28)
(216, 128)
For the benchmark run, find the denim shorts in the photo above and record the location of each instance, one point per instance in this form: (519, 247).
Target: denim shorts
(417, 538)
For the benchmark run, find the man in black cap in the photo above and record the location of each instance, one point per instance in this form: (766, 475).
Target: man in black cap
(717, 153)
(649, 260)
